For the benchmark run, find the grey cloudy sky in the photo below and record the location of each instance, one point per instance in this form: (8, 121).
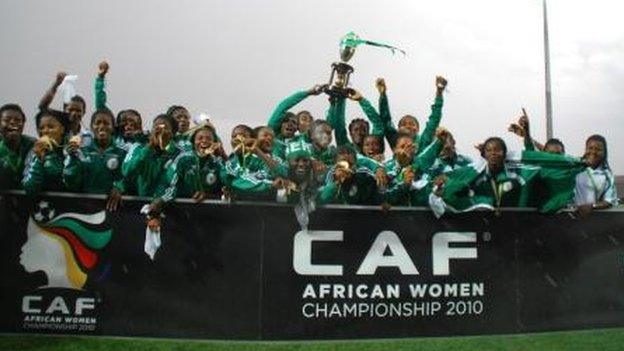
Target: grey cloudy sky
(236, 59)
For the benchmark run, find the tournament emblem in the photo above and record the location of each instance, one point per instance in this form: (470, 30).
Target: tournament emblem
(112, 163)
(65, 247)
(353, 190)
(211, 178)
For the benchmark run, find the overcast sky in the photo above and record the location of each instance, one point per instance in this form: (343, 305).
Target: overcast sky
(235, 60)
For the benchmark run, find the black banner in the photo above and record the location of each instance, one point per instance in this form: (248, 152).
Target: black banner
(247, 271)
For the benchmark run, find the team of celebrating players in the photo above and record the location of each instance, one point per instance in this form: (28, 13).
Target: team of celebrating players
(292, 158)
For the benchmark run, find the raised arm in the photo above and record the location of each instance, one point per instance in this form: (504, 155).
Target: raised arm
(47, 98)
(390, 132)
(100, 85)
(425, 159)
(436, 115)
(277, 116)
(336, 119)
(370, 112)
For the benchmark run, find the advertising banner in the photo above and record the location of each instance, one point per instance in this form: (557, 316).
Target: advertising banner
(248, 271)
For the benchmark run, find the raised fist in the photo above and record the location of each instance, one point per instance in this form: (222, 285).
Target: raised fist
(60, 76)
(102, 68)
(380, 84)
(441, 83)
(442, 133)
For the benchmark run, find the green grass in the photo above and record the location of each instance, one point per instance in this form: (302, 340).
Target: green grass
(602, 339)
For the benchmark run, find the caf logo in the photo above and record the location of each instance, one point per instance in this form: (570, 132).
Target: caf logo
(112, 163)
(66, 247)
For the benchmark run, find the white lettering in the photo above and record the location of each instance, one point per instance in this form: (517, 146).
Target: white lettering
(84, 303)
(26, 304)
(302, 252)
(398, 258)
(57, 305)
(443, 253)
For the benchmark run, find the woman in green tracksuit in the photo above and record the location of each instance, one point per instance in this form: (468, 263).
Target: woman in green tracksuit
(529, 179)
(409, 124)
(448, 160)
(152, 166)
(183, 119)
(44, 170)
(358, 128)
(129, 125)
(284, 123)
(201, 173)
(94, 168)
(14, 146)
(252, 168)
(348, 184)
(409, 185)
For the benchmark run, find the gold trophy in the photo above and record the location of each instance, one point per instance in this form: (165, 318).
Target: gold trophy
(338, 85)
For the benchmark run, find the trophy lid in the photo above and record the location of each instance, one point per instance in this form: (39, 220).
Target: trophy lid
(348, 44)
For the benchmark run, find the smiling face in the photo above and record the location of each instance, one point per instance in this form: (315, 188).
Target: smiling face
(300, 167)
(289, 127)
(594, 153)
(52, 128)
(75, 110)
(494, 153)
(448, 150)
(304, 121)
(409, 125)
(130, 124)
(321, 136)
(357, 131)
(102, 128)
(404, 150)
(236, 132)
(162, 126)
(11, 124)
(265, 140)
(372, 146)
(203, 140)
(183, 119)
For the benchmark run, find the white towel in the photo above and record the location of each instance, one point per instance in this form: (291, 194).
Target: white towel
(152, 237)
(67, 88)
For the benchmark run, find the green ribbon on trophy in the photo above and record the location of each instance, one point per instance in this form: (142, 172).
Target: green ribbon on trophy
(352, 40)
(339, 79)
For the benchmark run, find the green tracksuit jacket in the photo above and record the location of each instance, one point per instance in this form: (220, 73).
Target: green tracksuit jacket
(416, 193)
(44, 176)
(154, 171)
(93, 171)
(275, 121)
(199, 174)
(12, 163)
